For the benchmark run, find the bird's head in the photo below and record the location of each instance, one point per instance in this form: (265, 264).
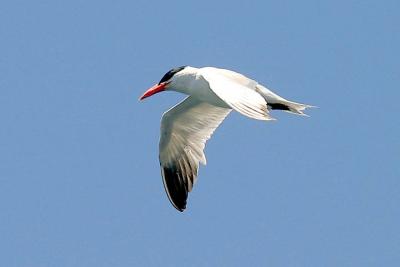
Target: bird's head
(166, 82)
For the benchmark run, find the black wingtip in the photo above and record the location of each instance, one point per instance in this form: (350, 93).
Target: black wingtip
(175, 187)
(179, 205)
(181, 210)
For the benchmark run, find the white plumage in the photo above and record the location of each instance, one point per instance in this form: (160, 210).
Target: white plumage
(186, 127)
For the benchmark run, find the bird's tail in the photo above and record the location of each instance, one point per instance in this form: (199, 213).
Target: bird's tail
(275, 101)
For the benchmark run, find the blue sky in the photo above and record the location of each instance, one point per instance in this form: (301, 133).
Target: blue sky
(80, 182)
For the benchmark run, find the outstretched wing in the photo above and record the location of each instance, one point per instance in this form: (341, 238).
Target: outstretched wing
(185, 128)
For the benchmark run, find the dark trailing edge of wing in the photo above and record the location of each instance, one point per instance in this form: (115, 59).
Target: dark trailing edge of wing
(175, 186)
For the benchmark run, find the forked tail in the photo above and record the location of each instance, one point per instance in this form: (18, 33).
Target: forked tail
(275, 101)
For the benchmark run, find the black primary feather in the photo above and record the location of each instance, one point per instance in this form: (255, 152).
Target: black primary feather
(175, 186)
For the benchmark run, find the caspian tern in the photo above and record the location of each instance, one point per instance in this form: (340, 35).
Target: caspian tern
(186, 127)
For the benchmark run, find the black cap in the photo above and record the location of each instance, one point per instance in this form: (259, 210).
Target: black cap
(171, 73)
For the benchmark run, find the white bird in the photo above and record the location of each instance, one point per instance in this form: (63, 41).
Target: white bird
(186, 127)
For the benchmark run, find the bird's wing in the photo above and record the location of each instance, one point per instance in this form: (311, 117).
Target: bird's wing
(235, 77)
(236, 94)
(185, 128)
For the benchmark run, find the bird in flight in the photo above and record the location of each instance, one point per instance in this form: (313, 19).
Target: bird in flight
(212, 94)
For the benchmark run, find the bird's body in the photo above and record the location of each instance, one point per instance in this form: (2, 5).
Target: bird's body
(186, 127)
(191, 82)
